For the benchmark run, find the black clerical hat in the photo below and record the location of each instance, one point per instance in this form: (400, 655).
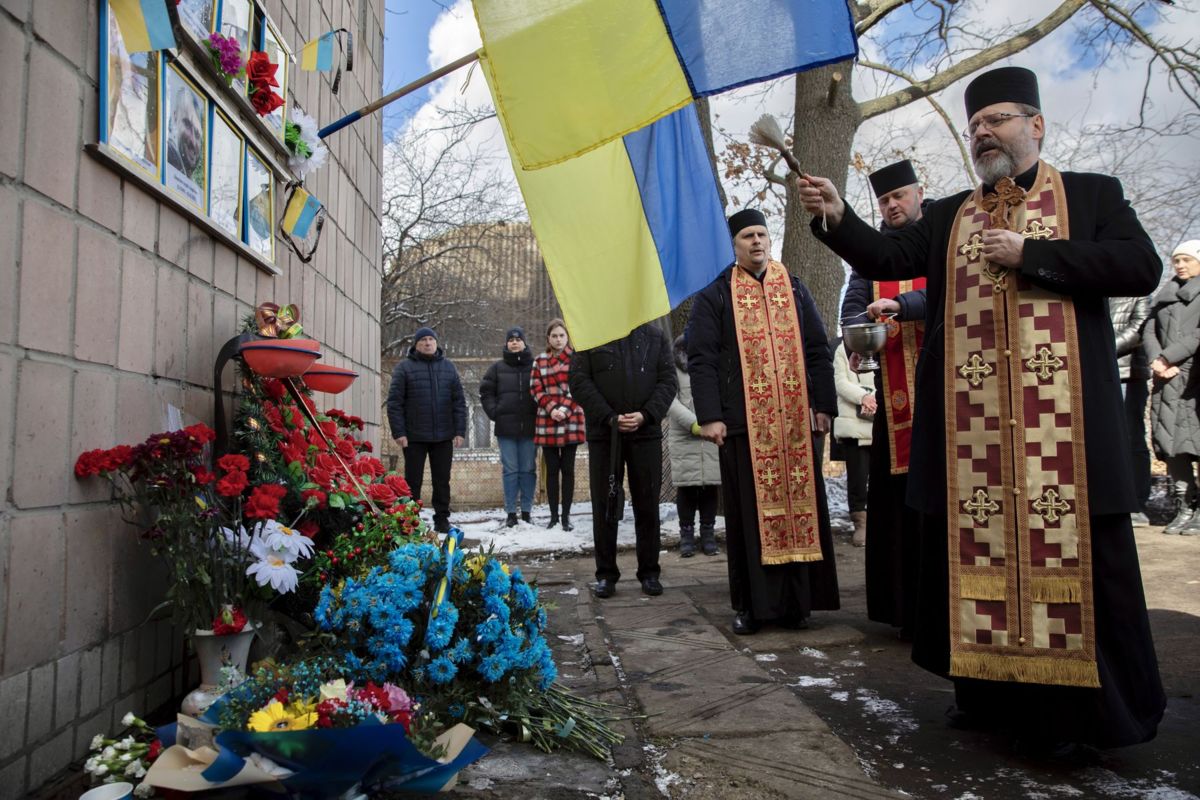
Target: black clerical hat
(1003, 85)
(744, 219)
(892, 177)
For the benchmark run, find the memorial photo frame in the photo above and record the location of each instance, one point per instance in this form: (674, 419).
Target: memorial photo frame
(227, 158)
(130, 98)
(260, 206)
(185, 138)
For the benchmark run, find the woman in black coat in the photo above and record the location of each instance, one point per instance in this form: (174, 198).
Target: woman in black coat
(504, 394)
(1171, 340)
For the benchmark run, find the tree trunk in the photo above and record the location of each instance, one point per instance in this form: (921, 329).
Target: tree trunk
(826, 119)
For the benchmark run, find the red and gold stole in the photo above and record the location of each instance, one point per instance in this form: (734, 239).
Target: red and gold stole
(1020, 544)
(898, 369)
(773, 379)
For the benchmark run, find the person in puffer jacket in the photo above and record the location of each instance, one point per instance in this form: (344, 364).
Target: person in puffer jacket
(504, 395)
(695, 465)
(428, 416)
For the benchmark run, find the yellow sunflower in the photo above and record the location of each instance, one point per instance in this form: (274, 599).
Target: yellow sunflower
(277, 717)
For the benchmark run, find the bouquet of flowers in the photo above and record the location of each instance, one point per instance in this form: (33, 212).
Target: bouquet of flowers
(226, 56)
(308, 151)
(126, 757)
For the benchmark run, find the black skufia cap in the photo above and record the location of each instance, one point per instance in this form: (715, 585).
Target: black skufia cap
(1003, 85)
(892, 177)
(744, 219)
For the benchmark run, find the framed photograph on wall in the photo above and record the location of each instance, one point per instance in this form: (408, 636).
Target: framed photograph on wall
(260, 206)
(272, 46)
(130, 114)
(236, 16)
(197, 17)
(225, 175)
(185, 168)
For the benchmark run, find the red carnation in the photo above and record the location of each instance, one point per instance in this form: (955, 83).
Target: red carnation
(156, 748)
(203, 476)
(232, 484)
(118, 457)
(233, 463)
(264, 501)
(274, 419)
(88, 463)
(229, 620)
(320, 497)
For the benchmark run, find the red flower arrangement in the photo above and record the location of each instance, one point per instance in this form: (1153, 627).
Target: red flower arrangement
(260, 72)
(229, 621)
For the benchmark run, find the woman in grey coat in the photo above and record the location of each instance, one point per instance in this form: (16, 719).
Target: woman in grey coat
(695, 466)
(1171, 341)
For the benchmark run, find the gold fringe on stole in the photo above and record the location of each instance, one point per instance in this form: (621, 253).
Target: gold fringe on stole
(1055, 590)
(982, 587)
(1042, 668)
(790, 559)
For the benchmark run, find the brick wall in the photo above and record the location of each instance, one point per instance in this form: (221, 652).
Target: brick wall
(112, 306)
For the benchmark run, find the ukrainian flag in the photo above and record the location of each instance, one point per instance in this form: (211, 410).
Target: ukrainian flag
(630, 229)
(318, 54)
(570, 75)
(145, 24)
(301, 210)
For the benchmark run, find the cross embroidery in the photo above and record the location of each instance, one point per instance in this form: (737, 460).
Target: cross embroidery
(973, 247)
(1044, 364)
(799, 474)
(975, 370)
(1035, 230)
(1051, 505)
(770, 476)
(760, 385)
(791, 382)
(747, 301)
(779, 299)
(980, 506)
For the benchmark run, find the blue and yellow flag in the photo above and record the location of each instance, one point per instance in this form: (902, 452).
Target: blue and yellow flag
(145, 24)
(301, 210)
(570, 75)
(630, 229)
(317, 55)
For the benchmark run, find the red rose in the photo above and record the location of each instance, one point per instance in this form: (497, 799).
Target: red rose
(321, 477)
(232, 484)
(398, 485)
(275, 389)
(292, 453)
(381, 493)
(314, 493)
(328, 463)
(264, 501)
(366, 447)
(315, 440)
(346, 449)
(203, 476)
(233, 463)
(329, 427)
(265, 101)
(260, 70)
(228, 621)
(274, 419)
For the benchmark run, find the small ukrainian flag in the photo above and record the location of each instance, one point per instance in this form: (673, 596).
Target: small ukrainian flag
(145, 24)
(301, 210)
(317, 55)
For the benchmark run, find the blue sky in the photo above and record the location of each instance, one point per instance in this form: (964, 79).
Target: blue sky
(406, 54)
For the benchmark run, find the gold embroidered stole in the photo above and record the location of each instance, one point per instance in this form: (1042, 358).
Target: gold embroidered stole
(1020, 546)
(898, 368)
(777, 414)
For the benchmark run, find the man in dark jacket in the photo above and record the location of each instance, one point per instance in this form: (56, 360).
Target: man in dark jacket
(625, 388)
(1129, 318)
(428, 416)
(1031, 599)
(504, 395)
(762, 385)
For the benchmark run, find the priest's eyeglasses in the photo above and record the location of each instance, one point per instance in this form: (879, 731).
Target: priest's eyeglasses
(991, 122)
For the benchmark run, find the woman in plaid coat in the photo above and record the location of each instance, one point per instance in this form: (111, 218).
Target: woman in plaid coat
(559, 429)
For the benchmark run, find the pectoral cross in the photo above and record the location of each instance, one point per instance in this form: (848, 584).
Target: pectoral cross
(1000, 202)
(975, 370)
(980, 506)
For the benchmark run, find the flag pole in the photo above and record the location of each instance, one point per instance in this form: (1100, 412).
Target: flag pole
(372, 107)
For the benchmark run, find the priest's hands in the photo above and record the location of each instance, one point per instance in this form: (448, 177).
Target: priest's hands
(882, 307)
(820, 198)
(1003, 248)
(713, 432)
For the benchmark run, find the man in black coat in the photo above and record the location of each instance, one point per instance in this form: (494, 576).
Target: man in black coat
(504, 395)
(1130, 316)
(427, 412)
(1029, 573)
(625, 388)
(772, 577)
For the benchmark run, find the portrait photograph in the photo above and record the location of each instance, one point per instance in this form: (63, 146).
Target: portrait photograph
(196, 16)
(225, 177)
(132, 101)
(186, 114)
(260, 206)
(235, 23)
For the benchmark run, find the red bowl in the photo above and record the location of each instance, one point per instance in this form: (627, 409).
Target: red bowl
(331, 380)
(306, 344)
(274, 359)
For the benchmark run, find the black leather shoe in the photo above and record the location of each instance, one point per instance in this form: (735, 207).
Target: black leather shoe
(795, 623)
(743, 624)
(511, 522)
(526, 516)
(605, 588)
(652, 587)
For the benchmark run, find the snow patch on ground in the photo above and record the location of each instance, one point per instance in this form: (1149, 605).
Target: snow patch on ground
(766, 657)
(576, 640)
(663, 779)
(574, 590)
(806, 681)
(812, 652)
(888, 712)
(841, 697)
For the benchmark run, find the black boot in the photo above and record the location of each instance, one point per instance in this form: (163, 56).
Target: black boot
(708, 540)
(687, 541)
(566, 517)
(1183, 515)
(525, 517)
(553, 519)
(511, 522)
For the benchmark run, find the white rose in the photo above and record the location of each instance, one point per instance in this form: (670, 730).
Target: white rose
(128, 719)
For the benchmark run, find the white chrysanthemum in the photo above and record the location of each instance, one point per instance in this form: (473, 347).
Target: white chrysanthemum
(310, 135)
(136, 769)
(277, 572)
(108, 753)
(97, 742)
(283, 541)
(90, 765)
(128, 719)
(143, 790)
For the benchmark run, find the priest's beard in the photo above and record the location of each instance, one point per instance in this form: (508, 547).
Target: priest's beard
(1000, 159)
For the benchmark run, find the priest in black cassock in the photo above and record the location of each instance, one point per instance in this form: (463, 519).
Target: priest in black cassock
(1031, 597)
(762, 384)
(892, 528)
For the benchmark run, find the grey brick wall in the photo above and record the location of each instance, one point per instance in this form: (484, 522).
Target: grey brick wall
(112, 305)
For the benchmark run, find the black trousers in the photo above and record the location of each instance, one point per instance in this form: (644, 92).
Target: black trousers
(560, 461)
(689, 499)
(858, 467)
(643, 460)
(1137, 393)
(440, 455)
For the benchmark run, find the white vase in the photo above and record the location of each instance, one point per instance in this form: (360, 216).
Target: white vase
(214, 652)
